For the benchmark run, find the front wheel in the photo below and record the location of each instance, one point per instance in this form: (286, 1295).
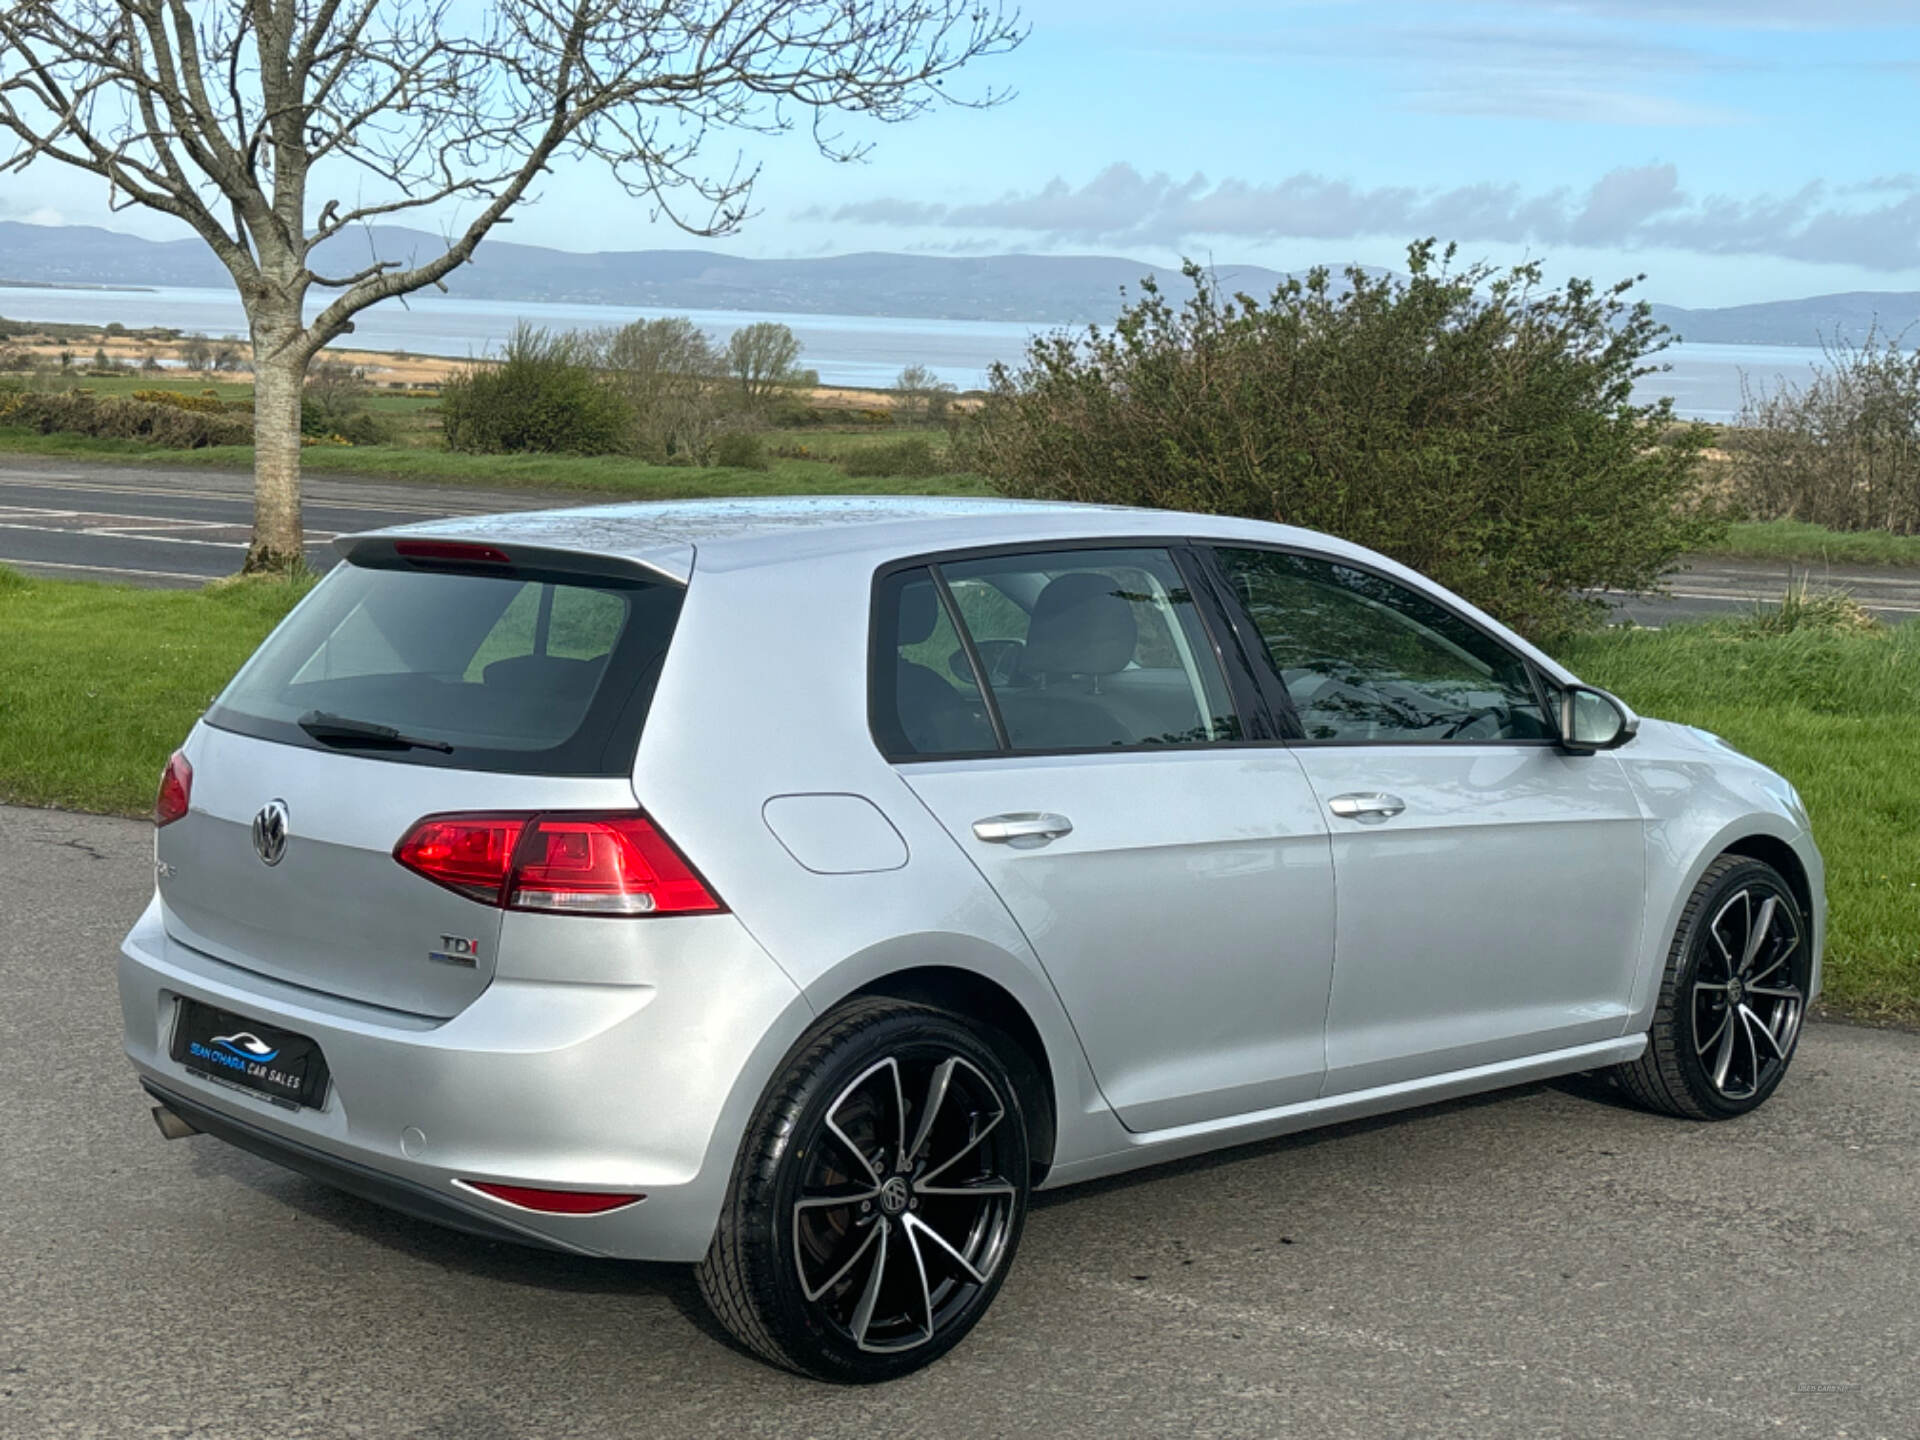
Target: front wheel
(1732, 999)
(878, 1198)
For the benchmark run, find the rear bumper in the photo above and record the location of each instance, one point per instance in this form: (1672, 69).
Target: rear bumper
(635, 1087)
(362, 1180)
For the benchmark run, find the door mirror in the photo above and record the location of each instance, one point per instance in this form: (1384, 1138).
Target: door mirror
(1592, 720)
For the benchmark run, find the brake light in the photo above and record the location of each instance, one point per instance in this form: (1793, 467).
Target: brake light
(568, 864)
(450, 552)
(176, 790)
(554, 1202)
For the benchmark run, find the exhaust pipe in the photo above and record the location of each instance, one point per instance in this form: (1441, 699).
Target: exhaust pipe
(171, 1125)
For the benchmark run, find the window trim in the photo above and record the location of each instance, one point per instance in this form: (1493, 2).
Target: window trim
(1274, 691)
(1250, 710)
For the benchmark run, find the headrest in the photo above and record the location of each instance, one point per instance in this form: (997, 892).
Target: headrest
(1082, 625)
(919, 612)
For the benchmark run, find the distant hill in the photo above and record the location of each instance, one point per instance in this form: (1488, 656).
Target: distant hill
(1799, 322)
(1050, 289)
(1034, 289)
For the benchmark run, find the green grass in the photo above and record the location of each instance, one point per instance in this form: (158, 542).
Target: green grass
(594, 474)
(1815, 545)
(1839, 715)
(98, 683)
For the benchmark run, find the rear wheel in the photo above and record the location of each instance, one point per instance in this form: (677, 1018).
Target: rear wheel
(1732, 999)
(878, 1198)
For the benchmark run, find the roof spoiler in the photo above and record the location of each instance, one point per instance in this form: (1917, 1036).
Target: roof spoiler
(477, 551)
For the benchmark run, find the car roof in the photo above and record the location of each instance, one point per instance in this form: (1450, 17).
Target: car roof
(667, 536)
(745, 533)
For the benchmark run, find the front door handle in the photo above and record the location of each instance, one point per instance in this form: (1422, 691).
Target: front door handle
(1368, 807)
(1025, 828)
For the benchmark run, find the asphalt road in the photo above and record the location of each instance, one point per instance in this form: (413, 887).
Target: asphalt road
(142, 526)
(147, 526)
(1541, 1262)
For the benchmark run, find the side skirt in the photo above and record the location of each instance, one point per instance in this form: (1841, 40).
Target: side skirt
(1154, 1147)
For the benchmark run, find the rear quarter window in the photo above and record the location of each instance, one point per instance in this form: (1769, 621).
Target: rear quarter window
(521, 672)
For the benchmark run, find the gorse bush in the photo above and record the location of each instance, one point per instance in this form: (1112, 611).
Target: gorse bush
(544, 396)
(1842, 451)
(120, 417)
(205, 403)
(1472, 424)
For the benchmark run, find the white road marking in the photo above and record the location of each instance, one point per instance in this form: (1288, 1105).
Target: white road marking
(1734, 598)
(139, 529)
(43, 482)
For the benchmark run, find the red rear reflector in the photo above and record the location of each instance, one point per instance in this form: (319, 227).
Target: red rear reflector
(554, 1202)
(567, 864)
(450, 552)
(176, 790)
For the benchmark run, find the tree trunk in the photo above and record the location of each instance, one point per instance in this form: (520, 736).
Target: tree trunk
(279, 379)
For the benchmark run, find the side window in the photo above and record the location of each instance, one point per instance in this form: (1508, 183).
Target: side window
(924, 700)
(1087, 649)
(1364, 658)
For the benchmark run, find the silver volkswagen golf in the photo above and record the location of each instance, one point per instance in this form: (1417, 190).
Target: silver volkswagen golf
(792, 887)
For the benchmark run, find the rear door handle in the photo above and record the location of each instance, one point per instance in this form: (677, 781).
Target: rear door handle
(1370, 807)
(1024, 828)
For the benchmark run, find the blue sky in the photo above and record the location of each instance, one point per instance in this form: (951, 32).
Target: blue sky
(1734, 150)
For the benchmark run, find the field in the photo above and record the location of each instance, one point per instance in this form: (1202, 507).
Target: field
(98, 684)
(801, 458)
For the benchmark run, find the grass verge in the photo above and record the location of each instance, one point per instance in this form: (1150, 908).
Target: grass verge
(98, 683)
(590, 474)
(1815, 546)
(1839, 715)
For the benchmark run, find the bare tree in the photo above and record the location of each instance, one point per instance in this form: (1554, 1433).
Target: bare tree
(238, 116)
(668, 371)
(763, 359)
(920, 397)
(1842, 450)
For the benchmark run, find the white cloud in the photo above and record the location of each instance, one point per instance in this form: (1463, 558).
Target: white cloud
(1628, 208)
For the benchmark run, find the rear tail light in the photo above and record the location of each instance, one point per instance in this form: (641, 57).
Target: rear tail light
(570, 864)
(468, 853)
(554, 1202)
(176, 790)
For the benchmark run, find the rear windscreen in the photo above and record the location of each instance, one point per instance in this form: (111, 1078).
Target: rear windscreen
(519, 672)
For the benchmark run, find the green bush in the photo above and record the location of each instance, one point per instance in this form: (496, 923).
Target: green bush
(362, 429)
(913, 459)
(1469, 423)
(740, 450)
(120, 417)
(543, 397)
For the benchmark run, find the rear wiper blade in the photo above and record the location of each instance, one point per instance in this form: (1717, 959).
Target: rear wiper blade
(340, 730)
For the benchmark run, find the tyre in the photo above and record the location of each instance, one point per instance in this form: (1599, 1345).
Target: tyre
(1731, 1000)
(878, 1197)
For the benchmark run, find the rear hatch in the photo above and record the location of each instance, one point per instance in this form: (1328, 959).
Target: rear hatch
(397, 690)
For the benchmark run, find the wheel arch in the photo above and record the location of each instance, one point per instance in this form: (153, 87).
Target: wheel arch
(1758, 835)
(971, 994)
(1772, 850)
